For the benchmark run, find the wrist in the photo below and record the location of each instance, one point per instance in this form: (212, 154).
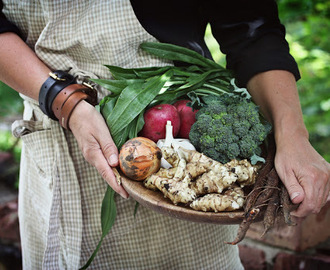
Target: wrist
(55, 83)
(83, 110)
(290, 129)
(67, 101)
(59, 96)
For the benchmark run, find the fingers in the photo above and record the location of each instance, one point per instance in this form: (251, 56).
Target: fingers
(295, 190)
(306, 175)
(310, 188)
(101, 164)
(109, 150)
(96, 144)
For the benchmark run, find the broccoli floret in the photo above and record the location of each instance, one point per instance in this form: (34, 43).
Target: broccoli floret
(247, 146)
(229, 127)
(207, 141)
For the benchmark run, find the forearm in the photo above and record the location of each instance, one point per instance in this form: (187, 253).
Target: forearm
(20, 68)
(276, 94)
(303, 171)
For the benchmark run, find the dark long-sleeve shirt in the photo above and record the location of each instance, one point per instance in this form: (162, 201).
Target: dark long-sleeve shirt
(249, 32)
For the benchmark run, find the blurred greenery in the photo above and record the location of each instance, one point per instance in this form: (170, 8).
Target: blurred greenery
(10, 101)
(308, 24)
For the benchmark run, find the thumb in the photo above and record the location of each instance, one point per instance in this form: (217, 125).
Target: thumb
(110, 151)
(295, 190)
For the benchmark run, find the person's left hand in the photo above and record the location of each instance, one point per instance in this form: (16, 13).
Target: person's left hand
(304, 172)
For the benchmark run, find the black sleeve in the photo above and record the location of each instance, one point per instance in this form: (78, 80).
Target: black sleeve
(251, 36)
(249, 31)
(173, 21)
(5, 25)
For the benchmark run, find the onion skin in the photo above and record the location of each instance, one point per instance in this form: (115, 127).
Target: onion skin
(139, 158)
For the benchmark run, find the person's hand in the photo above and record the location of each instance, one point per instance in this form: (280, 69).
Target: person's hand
(94, 139)
(305, 174)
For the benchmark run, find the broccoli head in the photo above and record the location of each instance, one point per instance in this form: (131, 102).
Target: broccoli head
(229, 127)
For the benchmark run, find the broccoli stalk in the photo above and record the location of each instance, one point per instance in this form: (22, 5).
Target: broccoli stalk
(229, 127)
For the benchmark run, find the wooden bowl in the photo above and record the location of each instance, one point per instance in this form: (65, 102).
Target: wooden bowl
(156, 201)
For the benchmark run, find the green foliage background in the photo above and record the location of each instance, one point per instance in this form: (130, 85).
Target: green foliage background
(308, 24)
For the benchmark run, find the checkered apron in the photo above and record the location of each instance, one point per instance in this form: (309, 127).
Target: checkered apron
(60, 194)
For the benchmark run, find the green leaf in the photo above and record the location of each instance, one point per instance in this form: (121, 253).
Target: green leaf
(121, 137)
(136, 209)
(108, 216)
(134, 99)
(120, 73)
(197, 81)
(116, 86)
(178, 53)
(108, 211)
(136, 126)
(108, 105)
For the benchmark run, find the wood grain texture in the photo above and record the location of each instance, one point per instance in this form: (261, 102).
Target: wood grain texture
(155, 201)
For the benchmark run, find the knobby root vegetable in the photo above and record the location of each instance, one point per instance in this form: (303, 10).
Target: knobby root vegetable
(287, 206)
(139, 157)
(244, 226)
(223, 176)
(193, 175)
(268, 197)
(232, 199)
(176, 191)
(271, 212)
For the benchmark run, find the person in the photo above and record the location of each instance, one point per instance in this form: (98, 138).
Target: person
(64, 163)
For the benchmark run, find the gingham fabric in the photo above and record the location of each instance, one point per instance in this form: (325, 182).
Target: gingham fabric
(60, 194)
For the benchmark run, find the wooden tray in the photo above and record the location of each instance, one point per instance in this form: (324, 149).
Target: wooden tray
(155, 201)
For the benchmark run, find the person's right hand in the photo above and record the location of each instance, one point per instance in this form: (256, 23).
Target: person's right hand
(94, 139)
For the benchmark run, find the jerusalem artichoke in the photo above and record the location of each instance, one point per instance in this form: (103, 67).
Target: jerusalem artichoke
(194, 174)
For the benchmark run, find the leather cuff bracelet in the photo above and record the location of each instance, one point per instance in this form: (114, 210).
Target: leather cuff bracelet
(67, 99)
(55, 83)
(63, 96)
(68, 107)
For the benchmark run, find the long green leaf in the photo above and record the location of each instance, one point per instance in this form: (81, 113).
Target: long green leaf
(121, 137)
(194, 82)
(120, 73)
(178, 53)
(136, 126)
(108, 216)
(133, 100)
(108, 211)
(116, 86)
(108, 106)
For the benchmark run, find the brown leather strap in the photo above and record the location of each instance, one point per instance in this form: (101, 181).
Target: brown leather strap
(69, 106)
(62, 97)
